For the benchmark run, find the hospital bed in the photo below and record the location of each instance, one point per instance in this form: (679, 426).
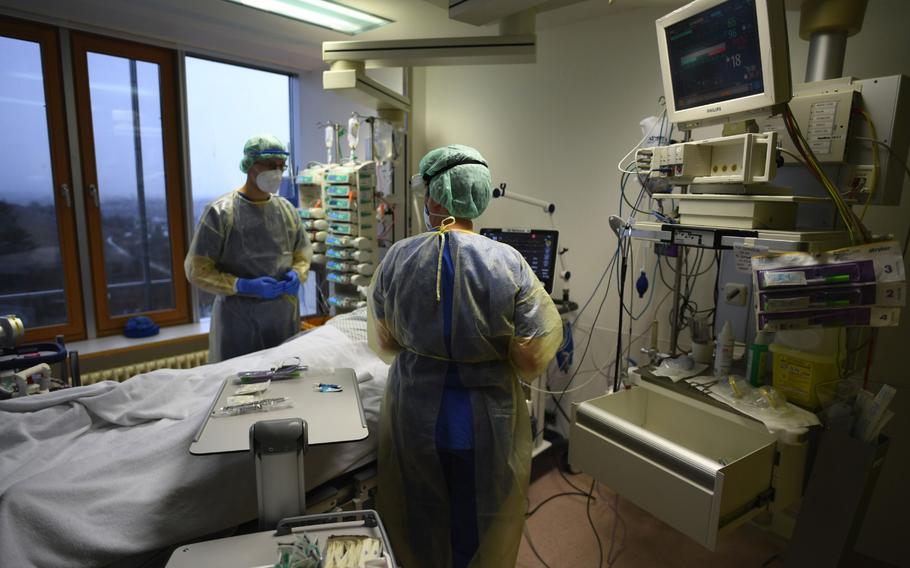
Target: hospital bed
(94, 475)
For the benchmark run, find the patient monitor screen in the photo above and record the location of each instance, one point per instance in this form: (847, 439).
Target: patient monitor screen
(537, 246)
(715, 55)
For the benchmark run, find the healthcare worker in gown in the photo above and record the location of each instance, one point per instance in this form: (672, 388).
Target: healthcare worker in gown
(464, 317)
(251, 250)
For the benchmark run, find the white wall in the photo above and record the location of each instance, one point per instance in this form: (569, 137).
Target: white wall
(317, 106)
(556, 129)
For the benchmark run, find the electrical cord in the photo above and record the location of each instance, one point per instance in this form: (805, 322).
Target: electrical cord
(619, 165)
(593, 325)
(854, 226)
(876, 162)
(619, 521)
(527, 534)
(551, 497)
(600, 548)
(559, 469)
(623, 198)
(901, 161)
(886, 146)
(795, 156)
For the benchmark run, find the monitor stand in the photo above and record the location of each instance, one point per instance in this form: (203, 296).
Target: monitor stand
(741, 127)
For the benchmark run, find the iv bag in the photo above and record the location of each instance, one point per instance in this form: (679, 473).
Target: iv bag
(384, 145)
(652, 128)
(353, 134)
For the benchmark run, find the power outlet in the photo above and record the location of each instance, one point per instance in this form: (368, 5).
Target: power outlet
(735, 294)
(861, 181)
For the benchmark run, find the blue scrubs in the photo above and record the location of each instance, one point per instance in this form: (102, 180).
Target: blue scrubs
(455, 437)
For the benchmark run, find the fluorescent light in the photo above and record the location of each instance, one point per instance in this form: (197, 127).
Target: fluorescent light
(321, 13)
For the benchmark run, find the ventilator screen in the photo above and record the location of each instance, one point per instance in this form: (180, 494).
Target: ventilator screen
(537, 246)
(715, 56)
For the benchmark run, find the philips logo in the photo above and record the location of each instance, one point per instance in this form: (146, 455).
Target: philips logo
(713, 110)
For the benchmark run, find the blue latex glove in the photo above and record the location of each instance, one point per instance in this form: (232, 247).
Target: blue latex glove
(291, 282)
(264, 287)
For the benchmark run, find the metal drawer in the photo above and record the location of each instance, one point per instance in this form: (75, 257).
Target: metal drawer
(697, 468)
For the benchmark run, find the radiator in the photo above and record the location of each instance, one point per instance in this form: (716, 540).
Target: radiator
(120, 374)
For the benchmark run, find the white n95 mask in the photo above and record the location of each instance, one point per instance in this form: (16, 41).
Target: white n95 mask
(269, 181)
(426, 218)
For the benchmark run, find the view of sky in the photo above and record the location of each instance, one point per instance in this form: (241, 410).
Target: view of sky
(24, 156)
(227, 105)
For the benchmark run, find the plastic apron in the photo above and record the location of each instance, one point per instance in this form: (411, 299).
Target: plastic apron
(491, 280)
(247, 239)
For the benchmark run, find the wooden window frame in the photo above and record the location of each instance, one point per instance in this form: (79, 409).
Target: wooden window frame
(48, 39)
(166, 60)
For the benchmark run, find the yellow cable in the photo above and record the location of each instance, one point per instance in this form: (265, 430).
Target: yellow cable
(851, 222)
(876, 163)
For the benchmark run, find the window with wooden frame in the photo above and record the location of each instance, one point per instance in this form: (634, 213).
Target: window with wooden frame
(39, 269)
(126, 101)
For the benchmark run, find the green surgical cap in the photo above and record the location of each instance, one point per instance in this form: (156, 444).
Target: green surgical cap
(457, 181)
(262, 147)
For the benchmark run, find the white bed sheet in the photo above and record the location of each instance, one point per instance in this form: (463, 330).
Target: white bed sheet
(95, 474)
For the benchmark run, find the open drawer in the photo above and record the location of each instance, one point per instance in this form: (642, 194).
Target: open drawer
(695, 467)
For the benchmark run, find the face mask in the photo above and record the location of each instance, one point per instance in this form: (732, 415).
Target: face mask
(426, 218)
(269, 181)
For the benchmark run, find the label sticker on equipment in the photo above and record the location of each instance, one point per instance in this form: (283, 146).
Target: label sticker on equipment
(693, 238)
(743, 254)
(821, 126)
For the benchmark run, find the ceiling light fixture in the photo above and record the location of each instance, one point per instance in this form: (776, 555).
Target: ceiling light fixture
(320, 13)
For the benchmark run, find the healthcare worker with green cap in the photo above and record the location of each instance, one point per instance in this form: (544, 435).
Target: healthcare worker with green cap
(463, 317)
(251, 250)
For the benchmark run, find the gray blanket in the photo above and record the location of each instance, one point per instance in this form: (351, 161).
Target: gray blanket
(94, 474)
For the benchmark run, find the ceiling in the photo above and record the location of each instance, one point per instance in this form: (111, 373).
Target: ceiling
(224, 29)
(217, 27)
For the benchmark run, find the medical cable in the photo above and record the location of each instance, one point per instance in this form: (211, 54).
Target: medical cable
(876, 162)
(531, 544)
(886, 146)
(593, 325)
(795, 156)
(611, 559)
(600, 548)
(610, 267)
(562, 473)
(578, 491)
(619, 165)
(623, 198)
(854, 226)
(624, 265)
(901, 161)
(689, 308)
(802, 147)
(551, 497)
(650, 294)
(625, 243)
(568, 388)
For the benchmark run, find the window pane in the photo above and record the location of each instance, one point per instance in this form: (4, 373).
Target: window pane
(31, 274)
(126, 121)
(227, 104)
